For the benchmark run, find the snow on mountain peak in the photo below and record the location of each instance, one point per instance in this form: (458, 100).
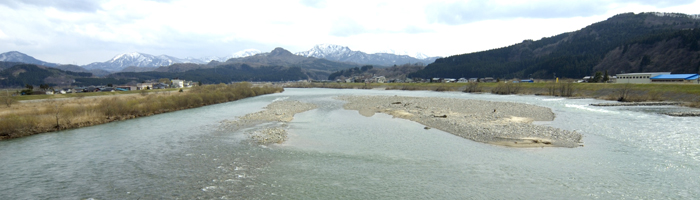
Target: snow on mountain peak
(344, 54)
(417, 55)
(325, 50)
(245, 53)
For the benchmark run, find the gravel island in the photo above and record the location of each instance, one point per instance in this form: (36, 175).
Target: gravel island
(273, 121)
(498, 123)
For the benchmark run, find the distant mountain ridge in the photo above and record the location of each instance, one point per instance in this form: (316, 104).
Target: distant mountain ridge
(15, 56)
(345, 54)
(139, 62)
(624, 43)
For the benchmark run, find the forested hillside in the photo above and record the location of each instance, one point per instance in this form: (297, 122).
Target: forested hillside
(23, 74)
(624, 43)
(222, 74)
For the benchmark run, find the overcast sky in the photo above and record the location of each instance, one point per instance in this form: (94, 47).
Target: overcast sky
(84, 31)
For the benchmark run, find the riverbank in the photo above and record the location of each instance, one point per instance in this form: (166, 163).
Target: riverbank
(273, 120)
(499, 123)
(34, 117)
(687, 94)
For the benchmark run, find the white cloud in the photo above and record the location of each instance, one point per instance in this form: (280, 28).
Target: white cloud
(88, 31)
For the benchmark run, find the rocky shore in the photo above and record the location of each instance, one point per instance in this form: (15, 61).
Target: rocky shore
(273, 121)
(638, 104)
(499, 123)
(683, 114)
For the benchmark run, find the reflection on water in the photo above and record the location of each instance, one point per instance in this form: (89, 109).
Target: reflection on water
(629, 152)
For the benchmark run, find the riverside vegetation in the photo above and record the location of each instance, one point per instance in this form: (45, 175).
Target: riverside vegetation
(28, 118)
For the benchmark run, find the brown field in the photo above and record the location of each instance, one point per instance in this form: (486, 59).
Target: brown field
(45, 115)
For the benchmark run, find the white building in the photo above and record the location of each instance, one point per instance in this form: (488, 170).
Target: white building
(379, 79)
(144, 86)
(644, 77)
(177, 83)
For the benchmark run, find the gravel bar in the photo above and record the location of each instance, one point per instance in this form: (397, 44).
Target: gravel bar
(273, 121)
(499, 123)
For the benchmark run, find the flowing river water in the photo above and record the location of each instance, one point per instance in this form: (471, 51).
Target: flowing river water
(332, 153)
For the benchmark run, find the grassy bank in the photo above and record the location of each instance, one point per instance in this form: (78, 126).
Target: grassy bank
(33, 117)
(687, 93)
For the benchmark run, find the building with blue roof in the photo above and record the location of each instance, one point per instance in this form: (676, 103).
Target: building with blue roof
(675, 78)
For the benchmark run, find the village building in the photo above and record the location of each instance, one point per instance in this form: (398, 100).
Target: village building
(127, 87)
(379, 79)
(638, 77)
(675, 78)
(488, 80)
(177, 83)
(144, 86)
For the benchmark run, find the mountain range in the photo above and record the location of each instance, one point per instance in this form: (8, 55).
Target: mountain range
(344, 54)
(624, 43)
(140, 62)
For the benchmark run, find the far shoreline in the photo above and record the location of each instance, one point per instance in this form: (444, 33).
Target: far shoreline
(687, 95)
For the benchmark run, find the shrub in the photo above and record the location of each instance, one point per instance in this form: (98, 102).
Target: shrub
(7, 100)
(473, 87)
(13, 125)
(506, 88)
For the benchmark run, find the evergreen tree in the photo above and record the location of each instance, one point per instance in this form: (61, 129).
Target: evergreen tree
(597, 77)
(605, 77)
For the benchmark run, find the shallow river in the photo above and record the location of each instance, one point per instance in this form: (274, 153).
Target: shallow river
(628, 153)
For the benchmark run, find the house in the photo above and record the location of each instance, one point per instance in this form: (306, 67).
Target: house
(473, 80)
(177, 83)
(144, 86)
(462, 80)
(91, 89)
(638, 77)
(160, 86)
(379, 79)
(488, 80)
(436, 80)
(126, 87)
(449, 80)
(675, 78)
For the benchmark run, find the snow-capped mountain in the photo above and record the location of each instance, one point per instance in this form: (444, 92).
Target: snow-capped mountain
(345, 54)
(418, 55)
(15, 56)
(135, 59)
(244, 53)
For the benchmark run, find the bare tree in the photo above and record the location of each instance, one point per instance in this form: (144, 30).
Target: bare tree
(7, 100)
(55, 108)
(623, 92)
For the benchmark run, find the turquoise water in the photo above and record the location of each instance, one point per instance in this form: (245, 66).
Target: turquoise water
(629, 152)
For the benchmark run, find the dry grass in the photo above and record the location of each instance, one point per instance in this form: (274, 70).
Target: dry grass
(38, 116)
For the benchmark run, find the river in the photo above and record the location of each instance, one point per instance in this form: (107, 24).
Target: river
(332, 153)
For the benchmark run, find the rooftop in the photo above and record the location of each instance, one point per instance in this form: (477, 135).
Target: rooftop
(676, 76)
